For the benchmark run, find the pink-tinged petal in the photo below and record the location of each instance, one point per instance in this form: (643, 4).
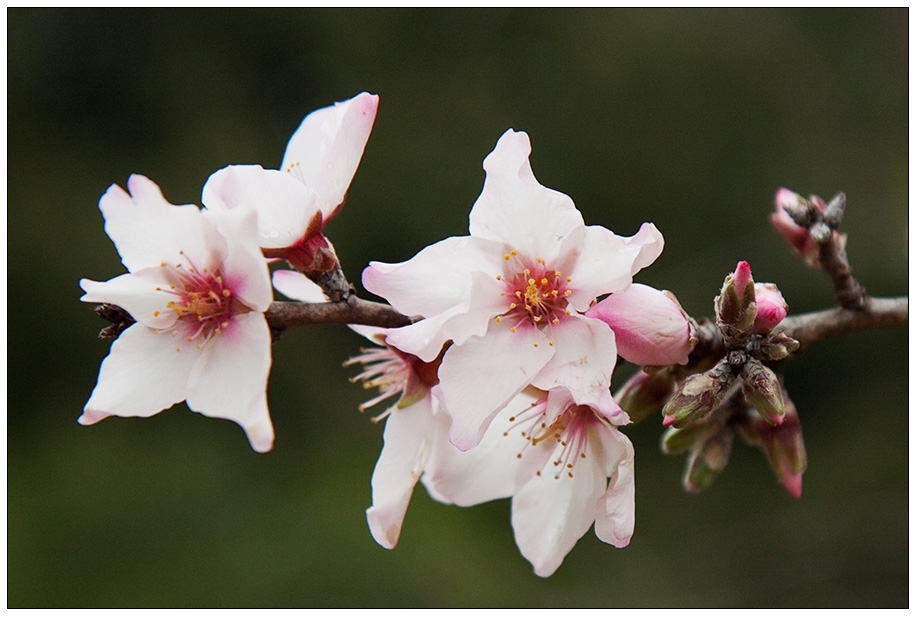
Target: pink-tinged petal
(408, 438)
(231, 377)
(242, 265)
(650, 328)
(493, 469)
(584, 360)
(142, 375)
(422, 339)
(137, 294)
(436, 279)
(605, 262)
(771, 308)
(550, 514)
(515, 209)
(284, 206)
(297, 286)
(145, 228)
(614, 516)
(326, 149)
(479, 377)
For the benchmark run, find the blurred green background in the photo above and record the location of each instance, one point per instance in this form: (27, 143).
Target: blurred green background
(690, 119)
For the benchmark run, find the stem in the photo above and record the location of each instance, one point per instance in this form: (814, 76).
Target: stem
(353, 310)
(875, 313)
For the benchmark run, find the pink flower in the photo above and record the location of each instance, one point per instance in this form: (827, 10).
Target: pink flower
(566, 466)
(511, 296)
(197, 287)
(650, 327)
(771, 307)
(295, 204)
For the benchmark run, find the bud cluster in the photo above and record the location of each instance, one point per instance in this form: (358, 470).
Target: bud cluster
(740, 392)
(806, 224)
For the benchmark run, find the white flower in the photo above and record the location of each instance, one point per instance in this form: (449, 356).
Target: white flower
(511, 295)
(197, 288)
(566, 466)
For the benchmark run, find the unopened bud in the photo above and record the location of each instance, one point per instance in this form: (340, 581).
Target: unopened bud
(777, 347)
(707, 462)
(791, 219)
(735, 306)
(834, 211)
(679, 440)
(782, 445)
(762, 389)
(698, 396)
(770, 307)
(645, 393)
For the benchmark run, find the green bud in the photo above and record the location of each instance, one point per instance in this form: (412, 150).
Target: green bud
(735, 306)
(777, 347)
(707, 462)
(782, 445)
(762, 389)
(698, 396)
(645, 392)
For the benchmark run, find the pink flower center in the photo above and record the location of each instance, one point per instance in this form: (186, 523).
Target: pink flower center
(201, 301)
(536, 294)
(570, 431)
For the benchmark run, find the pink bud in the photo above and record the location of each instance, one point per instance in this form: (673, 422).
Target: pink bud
(796, 236)
(742, 276)
(650, 327)
(771, 307)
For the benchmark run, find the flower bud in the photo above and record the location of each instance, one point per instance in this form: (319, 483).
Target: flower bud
(777, 347)
(651, 328)
(698, 396)
(770, 307)
(645, 393)
(791, 219)
(782, 445)
(735, 306)
(680, 440)
(705, 463)
(762, 389)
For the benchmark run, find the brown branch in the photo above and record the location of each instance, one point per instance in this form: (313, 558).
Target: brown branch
(353, 310)
(875, 313)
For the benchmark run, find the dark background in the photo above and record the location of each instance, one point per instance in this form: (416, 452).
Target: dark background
(690, 119)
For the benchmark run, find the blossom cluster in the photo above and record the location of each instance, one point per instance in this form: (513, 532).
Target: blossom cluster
(502, 382)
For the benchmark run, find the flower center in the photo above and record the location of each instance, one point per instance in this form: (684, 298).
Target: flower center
(537, 295)
(201, 301)
(570, 431)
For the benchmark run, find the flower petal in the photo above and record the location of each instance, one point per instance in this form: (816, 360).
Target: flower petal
(242, 265)
(408, 437)
(550, 514)
(584, 360)
(297, 286)
(145, 228)
(650, 328)
(143, 374)
(614, 517)
(283, 205)
(437, 279)
(138, 294)
(479, 377)
(230, 379)
(515, 209)
(326, 149)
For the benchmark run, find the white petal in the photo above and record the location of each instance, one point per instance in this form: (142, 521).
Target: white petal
(297, 286)
(408, 436)
(326, 149)
(614, 518)
(584, 360)
(284, 206)
(491, 470)
(137, 294)
(479, 377)
(515, 209)
(142, 375)
(230, 379)
(147, 229)
(437, 279)
(243, 267)
(550, 514)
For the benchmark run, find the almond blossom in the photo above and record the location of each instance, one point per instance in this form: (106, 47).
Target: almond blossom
(297, 201)
(197, 288)
(566, 466)
(511, 296)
